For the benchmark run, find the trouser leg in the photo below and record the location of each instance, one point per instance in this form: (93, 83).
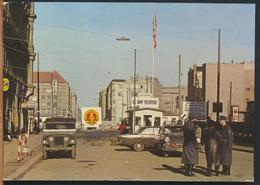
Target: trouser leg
(217, 170)
(228, 170)
(190, 170)
(209, 169)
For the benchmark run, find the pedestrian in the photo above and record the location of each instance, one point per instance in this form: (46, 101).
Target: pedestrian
(122, 128)
(211, 140)
(190, 154)
(226, 145)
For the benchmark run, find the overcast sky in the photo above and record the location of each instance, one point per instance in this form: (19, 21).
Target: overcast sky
(79, 40)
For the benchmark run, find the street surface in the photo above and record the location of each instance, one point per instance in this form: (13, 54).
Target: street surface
(97, 160)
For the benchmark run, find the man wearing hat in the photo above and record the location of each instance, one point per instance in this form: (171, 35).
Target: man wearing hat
(190, 155)
(226, 145)
(211, 139)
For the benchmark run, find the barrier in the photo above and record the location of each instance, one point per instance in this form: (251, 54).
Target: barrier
(23, 148)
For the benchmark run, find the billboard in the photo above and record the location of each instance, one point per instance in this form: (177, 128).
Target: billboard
(197, 109)
(91, 117)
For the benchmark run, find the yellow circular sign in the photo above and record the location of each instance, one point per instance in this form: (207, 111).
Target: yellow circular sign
(91, 117)
(6, 84)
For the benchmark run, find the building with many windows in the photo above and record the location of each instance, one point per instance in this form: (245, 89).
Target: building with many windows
(56, 98)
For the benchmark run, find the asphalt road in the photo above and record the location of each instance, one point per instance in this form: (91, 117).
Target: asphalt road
(97, 160)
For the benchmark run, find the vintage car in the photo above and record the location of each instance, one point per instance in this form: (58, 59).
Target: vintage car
(169, 139)
(59, 134)
(142, 139)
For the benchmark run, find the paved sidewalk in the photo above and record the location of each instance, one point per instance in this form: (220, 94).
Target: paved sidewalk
(10, 153)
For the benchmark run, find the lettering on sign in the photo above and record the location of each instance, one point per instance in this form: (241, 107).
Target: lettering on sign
(197, 109)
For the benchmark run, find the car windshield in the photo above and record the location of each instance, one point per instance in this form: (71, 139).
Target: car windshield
(58, 126)
(147, 130)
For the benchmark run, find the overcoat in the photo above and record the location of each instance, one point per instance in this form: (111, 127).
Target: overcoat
(226, 145)
(212, 141)
(190, 153)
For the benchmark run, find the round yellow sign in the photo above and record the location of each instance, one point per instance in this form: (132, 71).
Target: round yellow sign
(91, 117)
(6, 84)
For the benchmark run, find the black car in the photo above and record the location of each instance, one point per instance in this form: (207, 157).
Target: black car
(170, 139)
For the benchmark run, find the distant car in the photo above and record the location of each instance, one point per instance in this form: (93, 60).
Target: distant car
(59, 134)
(169, 139)
(142, 139)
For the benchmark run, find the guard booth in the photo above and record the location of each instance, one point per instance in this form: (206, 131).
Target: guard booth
(145, 117)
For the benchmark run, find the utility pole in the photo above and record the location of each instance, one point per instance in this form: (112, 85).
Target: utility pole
(133, 126)
(122, 106)
(230, 101)
(179, 102)
(52, 94)
(38, 88)
(1, 96)
(218, 77)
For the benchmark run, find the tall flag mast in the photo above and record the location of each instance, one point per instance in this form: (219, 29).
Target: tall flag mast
(154, 47)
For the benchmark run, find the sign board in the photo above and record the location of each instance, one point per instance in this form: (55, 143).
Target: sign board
(146, 102)
(91, 117)
(196, 109)
(6, 84)
(235, 110)
(217, 107)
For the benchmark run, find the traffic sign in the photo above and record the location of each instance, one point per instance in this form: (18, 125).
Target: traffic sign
(196, 109)
(6, 84)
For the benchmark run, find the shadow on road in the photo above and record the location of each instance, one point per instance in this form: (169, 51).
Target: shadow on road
(86, 161)
(180, 170)
(123, 149)
(58, 155)
(165, 154)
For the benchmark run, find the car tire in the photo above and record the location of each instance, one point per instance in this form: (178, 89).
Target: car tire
(44, 153)
(73, 152)
(138, 147)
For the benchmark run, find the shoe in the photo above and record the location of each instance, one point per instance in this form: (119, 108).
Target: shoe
(217, 170)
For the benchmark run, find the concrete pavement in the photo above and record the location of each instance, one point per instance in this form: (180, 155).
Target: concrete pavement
(11, 165)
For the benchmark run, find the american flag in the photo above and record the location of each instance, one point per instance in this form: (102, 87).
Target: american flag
(154, 31)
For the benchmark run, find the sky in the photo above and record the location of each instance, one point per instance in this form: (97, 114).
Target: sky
(79, 40)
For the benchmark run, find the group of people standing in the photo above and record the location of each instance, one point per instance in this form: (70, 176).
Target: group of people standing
(217, 141)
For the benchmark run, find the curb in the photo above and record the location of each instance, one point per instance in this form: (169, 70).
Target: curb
(23, 169)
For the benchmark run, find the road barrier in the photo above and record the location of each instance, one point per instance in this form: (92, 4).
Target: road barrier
(23, 147)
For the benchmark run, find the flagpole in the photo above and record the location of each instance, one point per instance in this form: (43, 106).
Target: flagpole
(153, 65)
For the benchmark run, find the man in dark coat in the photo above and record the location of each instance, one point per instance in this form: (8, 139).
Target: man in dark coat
(190, 154)
(212, 141)
(226, 145)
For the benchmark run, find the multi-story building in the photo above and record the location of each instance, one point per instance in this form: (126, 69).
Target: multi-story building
(102, 103)
(169, 101)
(18, 19)
(236, 85)
(118, 97)
(55, 95)
(74, 105)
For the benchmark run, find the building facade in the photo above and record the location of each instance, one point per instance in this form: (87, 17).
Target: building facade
(56, 98)
(236, 86)
(169, 101)
(19, 55)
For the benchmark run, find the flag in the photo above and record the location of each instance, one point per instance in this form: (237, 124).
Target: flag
(154, 31)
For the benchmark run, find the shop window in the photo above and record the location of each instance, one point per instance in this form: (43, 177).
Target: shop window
(157, 121)
(147, 120)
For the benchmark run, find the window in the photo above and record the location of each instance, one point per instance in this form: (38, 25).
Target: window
(138, 121)
(147, 120)
(157, 121)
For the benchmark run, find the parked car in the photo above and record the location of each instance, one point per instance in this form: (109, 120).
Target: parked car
(142, 139)
(59, 134)
(169, 139)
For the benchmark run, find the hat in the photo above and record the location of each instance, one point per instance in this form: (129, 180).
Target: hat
(221, 117)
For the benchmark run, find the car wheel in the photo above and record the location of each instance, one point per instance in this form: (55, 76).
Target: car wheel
(44, 153)
(138, 147)
(73, 152)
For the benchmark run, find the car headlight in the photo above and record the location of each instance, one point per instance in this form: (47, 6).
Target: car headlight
(166, 139)
(72, 142)
(66, 138)
(50, 138)
(44, 142)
